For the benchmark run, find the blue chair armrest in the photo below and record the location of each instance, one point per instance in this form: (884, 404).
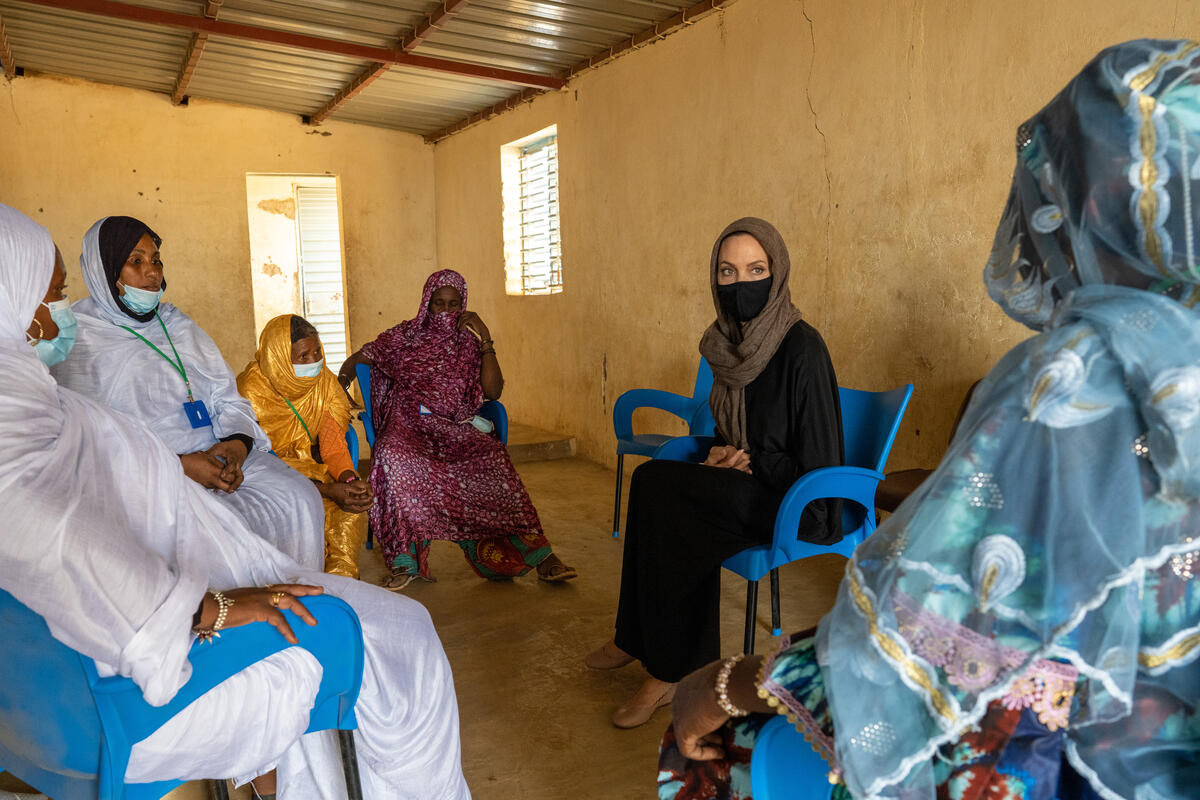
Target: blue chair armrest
(856, 484)
(336, 641)
(782, 761)
(494, 411)
(677, 404)
(684, 448)
(363, 373)
(845, 483)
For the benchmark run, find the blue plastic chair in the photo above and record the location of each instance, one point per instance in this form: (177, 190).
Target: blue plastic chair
(870, 421)
(783, 765)
(68, 732)
(352, 445)
(492, 410)
(693, 410)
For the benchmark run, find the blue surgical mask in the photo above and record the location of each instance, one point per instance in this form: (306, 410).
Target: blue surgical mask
(54, 351)
(140, 301)
(309, 370)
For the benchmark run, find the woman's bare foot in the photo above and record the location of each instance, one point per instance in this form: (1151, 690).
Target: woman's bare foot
(553, 570)
(637, 710)
(607, 656)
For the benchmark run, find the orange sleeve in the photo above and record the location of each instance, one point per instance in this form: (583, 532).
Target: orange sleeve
(334, 451)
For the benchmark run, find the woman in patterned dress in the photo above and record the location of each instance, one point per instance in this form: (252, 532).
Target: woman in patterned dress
(437, 472)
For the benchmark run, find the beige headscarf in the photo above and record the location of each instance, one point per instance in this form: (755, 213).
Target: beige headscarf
(736, 353)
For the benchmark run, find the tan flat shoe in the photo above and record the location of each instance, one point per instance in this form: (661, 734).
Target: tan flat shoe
(603, 658)
(631, 716)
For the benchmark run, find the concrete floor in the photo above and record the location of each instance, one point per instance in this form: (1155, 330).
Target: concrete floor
(534, 719)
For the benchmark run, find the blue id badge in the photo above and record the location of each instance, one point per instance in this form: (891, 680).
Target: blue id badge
(197, 414)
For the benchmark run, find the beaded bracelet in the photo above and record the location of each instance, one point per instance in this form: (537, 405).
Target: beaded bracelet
(722, 688)
(223, 604)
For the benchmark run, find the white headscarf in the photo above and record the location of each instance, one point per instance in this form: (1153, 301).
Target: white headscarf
(28, 253)
(115, 569)
(111, 364)
(92, 266)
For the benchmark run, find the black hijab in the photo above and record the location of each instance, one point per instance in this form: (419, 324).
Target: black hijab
(118, 236)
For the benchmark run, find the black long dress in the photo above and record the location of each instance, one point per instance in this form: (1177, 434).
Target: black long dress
(685, 519)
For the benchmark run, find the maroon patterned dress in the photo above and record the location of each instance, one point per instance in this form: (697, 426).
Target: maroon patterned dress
(436, 476)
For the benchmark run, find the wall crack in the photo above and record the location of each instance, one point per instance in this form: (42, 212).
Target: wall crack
(812, 35)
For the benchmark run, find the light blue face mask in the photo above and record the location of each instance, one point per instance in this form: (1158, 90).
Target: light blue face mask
(140, 301)
(309, 370)
(54, 351)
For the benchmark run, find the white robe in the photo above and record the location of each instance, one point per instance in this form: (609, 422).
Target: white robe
(112, 365)
(114, 546)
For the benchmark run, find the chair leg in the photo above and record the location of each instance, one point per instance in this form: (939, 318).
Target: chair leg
(776, 626)
(617, 497)
(751, 616)
(350, 765)
(220, 789)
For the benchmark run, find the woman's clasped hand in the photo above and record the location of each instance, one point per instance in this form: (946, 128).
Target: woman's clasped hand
(730, 457)
(219, 467)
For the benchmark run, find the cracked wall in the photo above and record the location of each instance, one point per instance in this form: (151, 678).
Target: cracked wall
(878, 136)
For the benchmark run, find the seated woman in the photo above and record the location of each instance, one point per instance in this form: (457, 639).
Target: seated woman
(775, 403)
(1027, 625)
(128, 560)
(436, 470)
(306, 413)
(152, 361)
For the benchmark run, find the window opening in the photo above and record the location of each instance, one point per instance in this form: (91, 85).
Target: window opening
(533, 245)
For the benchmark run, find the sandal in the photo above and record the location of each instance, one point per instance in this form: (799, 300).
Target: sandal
(397, 581)
(557, 572)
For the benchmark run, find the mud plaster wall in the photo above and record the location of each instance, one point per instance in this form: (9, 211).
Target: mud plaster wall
(878, 136)
(73, 151)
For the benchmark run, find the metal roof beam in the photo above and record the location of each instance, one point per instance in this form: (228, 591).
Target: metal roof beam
(506, 104)
(360, 82)
(431, 23)
(654, 32)
(192, 57)
(383, 55)
(6, 58)
(368, 76)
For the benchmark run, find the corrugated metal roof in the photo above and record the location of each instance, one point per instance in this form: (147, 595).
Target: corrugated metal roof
(420, 101)
(533, 37)
(271, 76)
(372, 23)
(86, 46)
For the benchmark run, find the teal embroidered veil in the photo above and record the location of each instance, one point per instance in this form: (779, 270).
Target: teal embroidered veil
(1064, 521)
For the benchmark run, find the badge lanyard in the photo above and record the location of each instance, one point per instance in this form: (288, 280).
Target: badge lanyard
(297, 413)
(197, 414)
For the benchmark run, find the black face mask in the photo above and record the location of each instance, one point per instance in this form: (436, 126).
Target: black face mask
(744, 300)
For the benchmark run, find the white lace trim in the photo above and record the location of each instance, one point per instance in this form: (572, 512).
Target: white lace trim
(1080, 766)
